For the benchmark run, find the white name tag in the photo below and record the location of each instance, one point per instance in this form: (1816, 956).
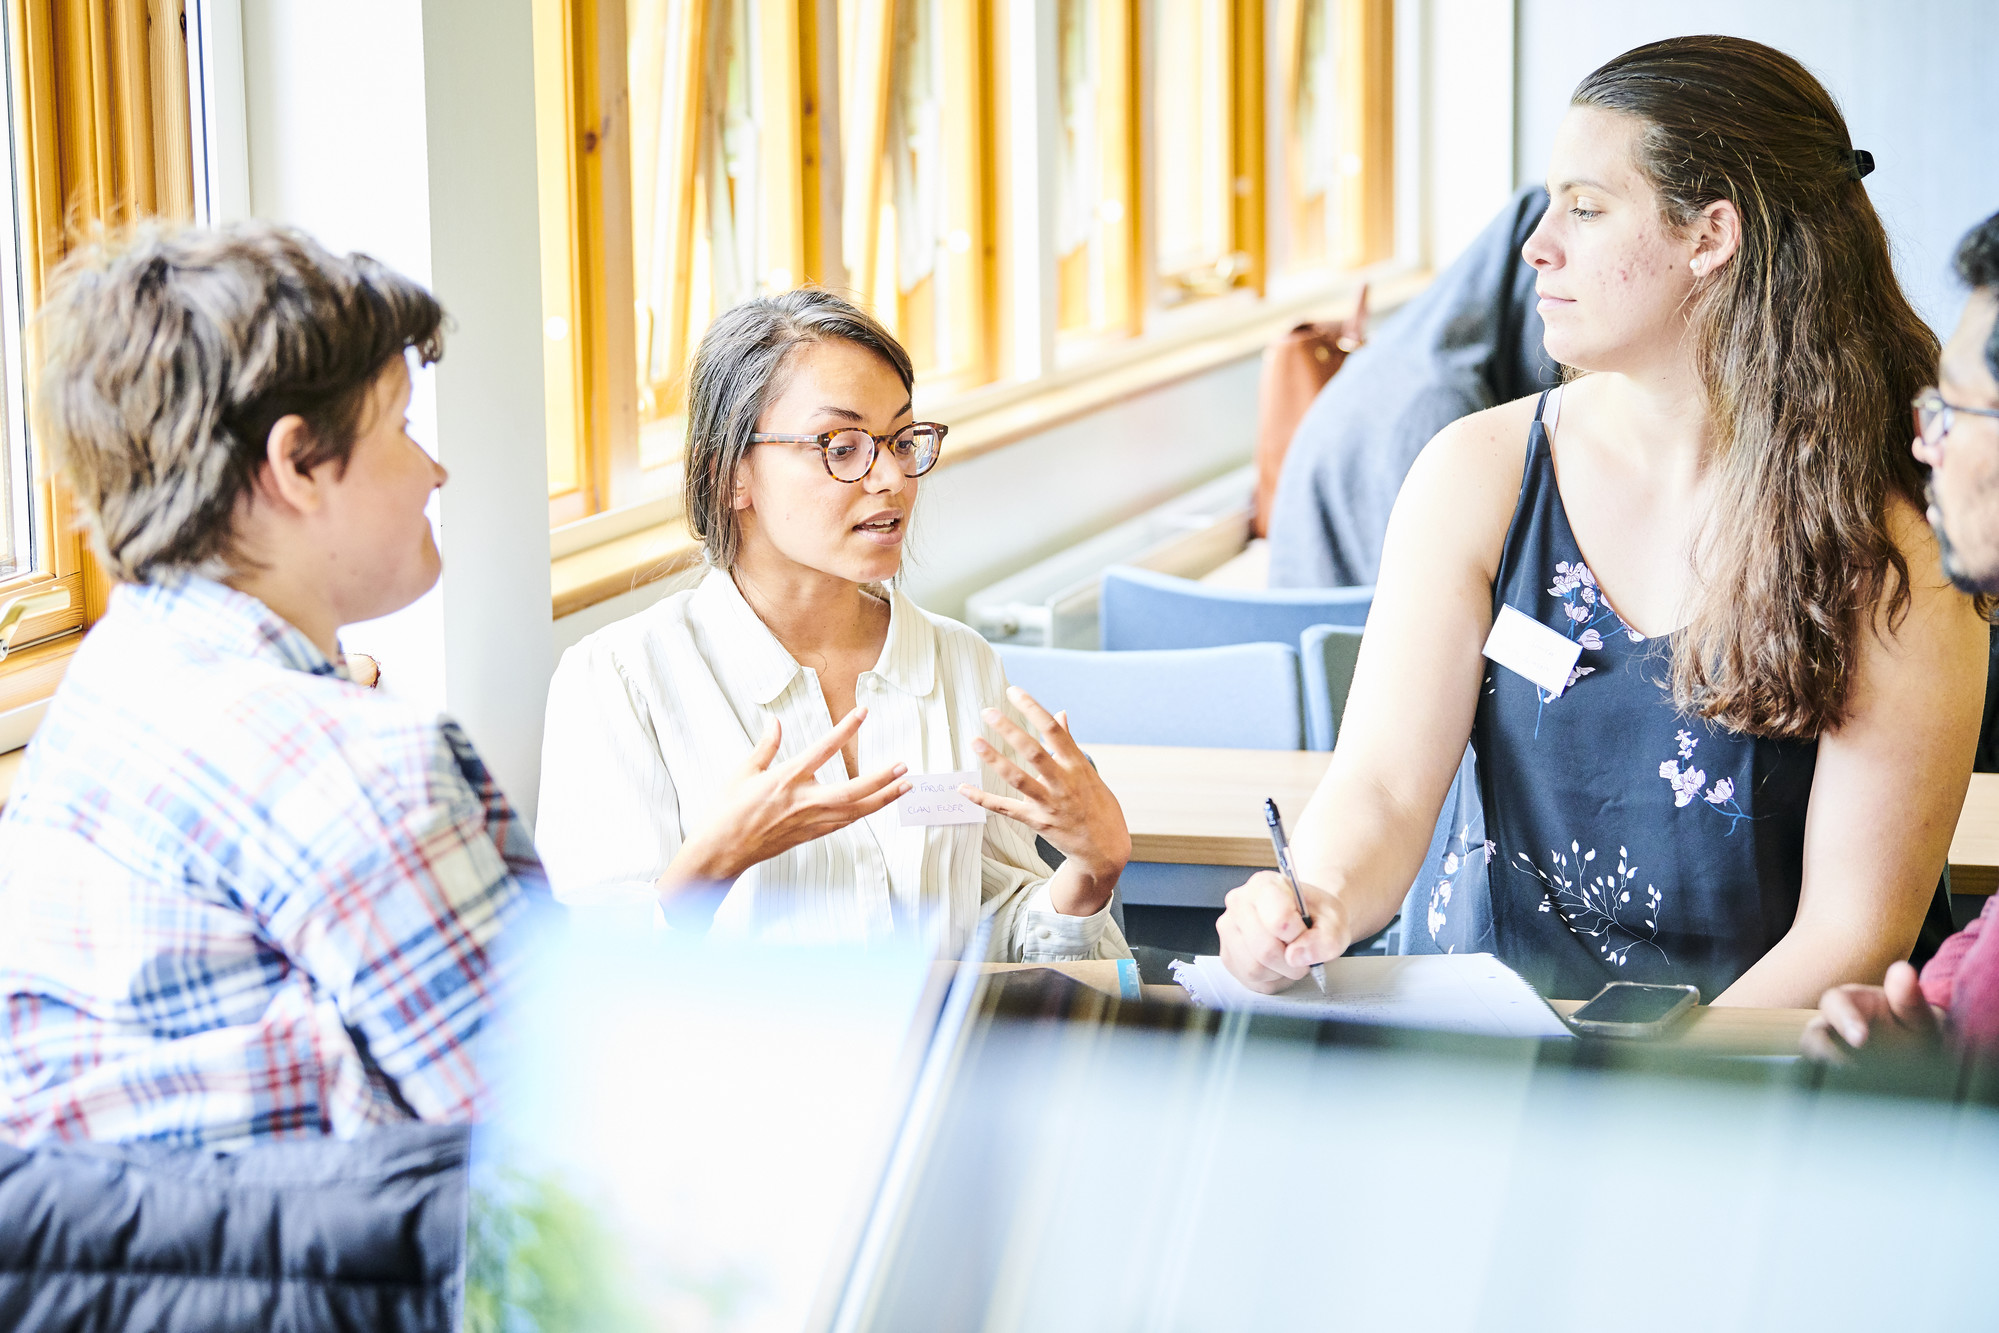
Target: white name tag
(933, 799)
(1523, 644)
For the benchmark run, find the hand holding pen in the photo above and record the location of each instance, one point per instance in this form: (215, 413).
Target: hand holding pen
(1282, 845)
(1274, 928)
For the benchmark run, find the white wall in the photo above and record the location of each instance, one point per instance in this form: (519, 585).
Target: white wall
(407, 131)
(1918, 84)
(1459, 54)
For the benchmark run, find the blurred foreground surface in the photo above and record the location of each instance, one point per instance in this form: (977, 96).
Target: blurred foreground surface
(748, 1139)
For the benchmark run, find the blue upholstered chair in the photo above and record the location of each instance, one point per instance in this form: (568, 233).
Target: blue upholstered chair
(1328, 653)
(1245, 695)
(1143, 610)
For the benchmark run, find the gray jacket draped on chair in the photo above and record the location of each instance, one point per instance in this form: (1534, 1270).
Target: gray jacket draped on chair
(1471, 340)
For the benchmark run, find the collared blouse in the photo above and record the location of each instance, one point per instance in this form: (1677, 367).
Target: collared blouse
(649, 720)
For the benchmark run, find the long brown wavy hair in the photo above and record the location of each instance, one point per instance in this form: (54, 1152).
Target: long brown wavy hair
(1809, 355)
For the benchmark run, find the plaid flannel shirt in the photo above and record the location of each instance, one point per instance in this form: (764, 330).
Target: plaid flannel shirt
(242, 897)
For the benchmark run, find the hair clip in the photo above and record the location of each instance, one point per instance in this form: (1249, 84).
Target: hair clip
(1863, 162)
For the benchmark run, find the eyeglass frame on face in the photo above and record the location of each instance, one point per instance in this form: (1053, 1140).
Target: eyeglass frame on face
(1942, 413)
(825, 442)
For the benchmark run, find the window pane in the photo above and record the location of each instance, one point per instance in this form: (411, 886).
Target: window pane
(916, 69)
(727, 171)
(1365, 49)
(657, 31)
(16, 518)
(1195, 194)
(1312, 146)
(1093, 232)
(913, 213)
(695, 189)
(17, 480)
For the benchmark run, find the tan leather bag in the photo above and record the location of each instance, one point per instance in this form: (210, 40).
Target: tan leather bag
(1295, 368)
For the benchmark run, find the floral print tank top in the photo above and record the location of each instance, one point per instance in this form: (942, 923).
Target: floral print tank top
(1621, 840)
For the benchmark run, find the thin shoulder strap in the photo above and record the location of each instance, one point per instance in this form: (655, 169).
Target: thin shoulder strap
(1541, 404)
(1552, 400)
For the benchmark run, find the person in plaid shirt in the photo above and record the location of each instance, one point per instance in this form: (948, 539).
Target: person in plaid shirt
(244, 897)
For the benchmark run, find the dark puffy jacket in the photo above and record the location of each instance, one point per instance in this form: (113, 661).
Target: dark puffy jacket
(363, 1235)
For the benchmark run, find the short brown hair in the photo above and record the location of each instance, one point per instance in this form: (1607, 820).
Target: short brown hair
(737, 370)
(169, 353)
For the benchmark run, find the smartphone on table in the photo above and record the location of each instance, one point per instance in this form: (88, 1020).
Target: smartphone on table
(1634, 1009)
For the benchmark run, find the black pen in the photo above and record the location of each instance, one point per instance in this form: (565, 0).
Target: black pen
(1283, 847)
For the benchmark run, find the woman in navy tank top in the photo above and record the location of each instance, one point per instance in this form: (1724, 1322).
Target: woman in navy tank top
(1685, 609)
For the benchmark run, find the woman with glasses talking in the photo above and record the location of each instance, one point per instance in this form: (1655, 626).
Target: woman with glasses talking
(761, 729)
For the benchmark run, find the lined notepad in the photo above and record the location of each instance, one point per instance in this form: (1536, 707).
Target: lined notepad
(1472, 992)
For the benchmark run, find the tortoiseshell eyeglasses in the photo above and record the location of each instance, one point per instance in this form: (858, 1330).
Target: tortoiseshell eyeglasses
(849, 453)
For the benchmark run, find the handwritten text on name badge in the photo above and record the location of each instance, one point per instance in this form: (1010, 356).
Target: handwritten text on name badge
(933, 799)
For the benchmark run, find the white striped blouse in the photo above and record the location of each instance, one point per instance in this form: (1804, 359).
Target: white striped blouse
(649, 718)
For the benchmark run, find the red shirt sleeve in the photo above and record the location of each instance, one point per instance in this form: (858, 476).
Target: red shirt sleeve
(1940, 973)
(1964, 978)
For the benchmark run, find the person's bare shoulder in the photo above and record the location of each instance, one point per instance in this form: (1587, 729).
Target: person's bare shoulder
(1935, 606)
(1464, 485)
(1917, 541)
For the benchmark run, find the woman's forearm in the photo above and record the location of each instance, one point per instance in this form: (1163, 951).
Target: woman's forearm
(1080, 890)
(1363, 845)
(700, 861)
(1805, 964)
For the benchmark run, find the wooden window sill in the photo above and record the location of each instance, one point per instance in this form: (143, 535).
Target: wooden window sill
(27, 679)
(985, 420)
(599, 573)
(30, 675)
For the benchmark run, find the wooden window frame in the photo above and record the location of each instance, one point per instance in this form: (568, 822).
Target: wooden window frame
(99, 92)
(1362, 200)
(1035, 376)
(1367, 131)
(1242, 264)
(1120, 235)
(585, 130)
(968, 40)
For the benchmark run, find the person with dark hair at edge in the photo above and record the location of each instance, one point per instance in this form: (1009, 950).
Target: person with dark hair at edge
(245, 898)
(1684, 607)
(1957, 438)
(756, 730)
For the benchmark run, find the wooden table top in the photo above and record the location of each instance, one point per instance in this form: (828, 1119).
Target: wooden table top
(1708, 1030)
(1205, 807)
(1974, 848)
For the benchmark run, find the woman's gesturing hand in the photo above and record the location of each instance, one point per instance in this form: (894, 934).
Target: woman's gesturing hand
(769, 810)
(1062, 798)
(1265, 942)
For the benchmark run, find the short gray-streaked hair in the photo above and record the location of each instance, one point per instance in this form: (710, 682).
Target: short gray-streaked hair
(737, 370)
(170, 352)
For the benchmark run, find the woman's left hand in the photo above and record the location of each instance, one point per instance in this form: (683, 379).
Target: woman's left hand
(1062, 797)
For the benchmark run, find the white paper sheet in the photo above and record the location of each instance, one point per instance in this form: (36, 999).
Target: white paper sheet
(1471, 992)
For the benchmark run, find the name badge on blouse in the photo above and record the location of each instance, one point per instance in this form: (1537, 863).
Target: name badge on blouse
(1524, 645)
(933, 799)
